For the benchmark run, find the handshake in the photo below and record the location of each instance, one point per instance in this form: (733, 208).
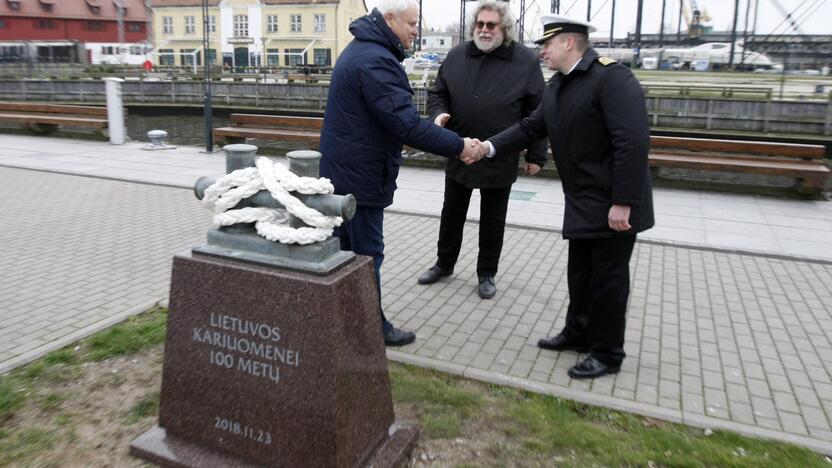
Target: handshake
(473, 151)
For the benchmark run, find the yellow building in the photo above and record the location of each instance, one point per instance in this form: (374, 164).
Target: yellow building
(245, 33)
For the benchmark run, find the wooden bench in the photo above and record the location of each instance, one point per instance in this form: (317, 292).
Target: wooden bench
(271, 127)
(805, 163)
(46, 118)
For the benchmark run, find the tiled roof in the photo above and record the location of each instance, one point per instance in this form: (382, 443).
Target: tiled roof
(136, 10)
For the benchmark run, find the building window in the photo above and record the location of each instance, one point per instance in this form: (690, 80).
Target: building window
(273, 57)
(94, 26)
(167, 24)
(294, 57)
(108, 50)
(14, 5)
(135, 27)
(323, 57)
(424, 41)
(189, 58)
(240, 25)
(211, 56)
(441, 42)
(320, 23)
(190, 25)
(212, 24)
(166, 57)
(2, 24)
(297, 26)
(271, 25)
(44, 24)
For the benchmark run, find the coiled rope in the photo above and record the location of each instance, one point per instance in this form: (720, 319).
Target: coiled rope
(270, 223)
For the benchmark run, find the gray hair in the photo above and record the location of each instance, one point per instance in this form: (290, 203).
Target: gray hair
(396, 6)
(502, 9)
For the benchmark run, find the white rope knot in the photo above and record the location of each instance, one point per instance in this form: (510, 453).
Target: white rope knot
(271, 223)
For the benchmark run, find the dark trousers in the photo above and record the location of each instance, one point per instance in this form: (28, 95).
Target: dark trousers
(493, 208)
(364, 235)
(599, 285)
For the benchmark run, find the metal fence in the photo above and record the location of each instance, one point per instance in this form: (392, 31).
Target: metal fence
(791, 117)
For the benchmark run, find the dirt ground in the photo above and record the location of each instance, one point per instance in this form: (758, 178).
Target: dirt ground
(88, 419)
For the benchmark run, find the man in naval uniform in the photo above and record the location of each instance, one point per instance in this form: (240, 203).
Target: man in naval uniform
(595, 116)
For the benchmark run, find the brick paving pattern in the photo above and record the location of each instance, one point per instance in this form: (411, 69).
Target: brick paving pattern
(714, 339)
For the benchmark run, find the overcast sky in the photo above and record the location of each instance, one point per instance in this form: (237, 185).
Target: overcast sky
(812, 16)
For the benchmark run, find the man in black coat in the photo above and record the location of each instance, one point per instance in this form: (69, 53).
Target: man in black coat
(483, 87)
(595, 115)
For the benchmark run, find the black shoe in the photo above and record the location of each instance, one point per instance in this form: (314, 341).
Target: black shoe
(487, 287)
(590, 368)
(432, 275)
(398, 337)
(560, 342)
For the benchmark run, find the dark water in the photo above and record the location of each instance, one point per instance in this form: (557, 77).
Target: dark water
(185, 126)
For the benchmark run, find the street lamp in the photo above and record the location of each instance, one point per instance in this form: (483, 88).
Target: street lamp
(209, 127)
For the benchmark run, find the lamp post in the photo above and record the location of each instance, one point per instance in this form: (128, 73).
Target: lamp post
(209, 127)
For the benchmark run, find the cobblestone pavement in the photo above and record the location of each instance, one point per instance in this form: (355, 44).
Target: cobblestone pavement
(714, 339)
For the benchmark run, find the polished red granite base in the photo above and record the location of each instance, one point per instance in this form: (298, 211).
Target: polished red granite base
(265, 366)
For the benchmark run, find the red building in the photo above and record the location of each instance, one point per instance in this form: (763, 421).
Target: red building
(68, 30)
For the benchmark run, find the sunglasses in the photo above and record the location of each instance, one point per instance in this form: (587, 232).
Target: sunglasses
(488, 25)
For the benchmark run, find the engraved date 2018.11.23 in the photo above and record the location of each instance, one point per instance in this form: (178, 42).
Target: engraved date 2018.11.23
(242, 430)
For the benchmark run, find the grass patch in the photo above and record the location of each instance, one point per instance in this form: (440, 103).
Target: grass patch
(128, 337)
(147, 406)
(19, 444)
(426, 386)
(52, 401)
(11, 398)
(58, 366)
(441, 425)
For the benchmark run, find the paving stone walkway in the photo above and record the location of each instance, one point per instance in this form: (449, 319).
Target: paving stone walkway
(714, 339)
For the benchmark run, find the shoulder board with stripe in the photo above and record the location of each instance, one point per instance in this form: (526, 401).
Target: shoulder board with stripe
(605, 61)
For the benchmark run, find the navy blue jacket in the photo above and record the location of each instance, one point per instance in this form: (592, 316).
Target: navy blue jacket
(370, 114)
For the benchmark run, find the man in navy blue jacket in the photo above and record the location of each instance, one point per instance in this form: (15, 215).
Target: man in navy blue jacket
(369, 115)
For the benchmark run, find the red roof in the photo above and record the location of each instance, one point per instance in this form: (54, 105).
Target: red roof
(75, 9)
(175, 3)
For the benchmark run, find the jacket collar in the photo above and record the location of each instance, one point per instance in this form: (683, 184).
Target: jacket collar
(589, 56)
(505, 51)
(373, 28)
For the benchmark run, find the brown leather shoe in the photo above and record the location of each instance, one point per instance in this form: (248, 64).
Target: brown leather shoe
(560, 342)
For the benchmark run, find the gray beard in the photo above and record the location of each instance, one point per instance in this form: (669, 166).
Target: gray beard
(483, 47)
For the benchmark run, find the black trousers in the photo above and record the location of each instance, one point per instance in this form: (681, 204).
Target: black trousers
(493, 208)
(599, 285)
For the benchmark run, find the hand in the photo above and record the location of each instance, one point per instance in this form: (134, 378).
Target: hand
(472, 151)
(442, 119)
(619, 218)
(532, 168)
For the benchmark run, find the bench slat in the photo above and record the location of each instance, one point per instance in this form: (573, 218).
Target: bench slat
(69, 120)
(28, 107)
(764, 148)
(275, 121)
(269, 134)
(756, 166)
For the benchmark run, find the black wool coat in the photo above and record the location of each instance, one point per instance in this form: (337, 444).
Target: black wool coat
(486, 93)
(596, 120)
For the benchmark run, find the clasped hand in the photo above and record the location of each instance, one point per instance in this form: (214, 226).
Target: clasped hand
(473, 151)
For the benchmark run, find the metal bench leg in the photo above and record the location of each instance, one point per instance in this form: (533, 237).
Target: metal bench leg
(42, 129)
(810, 185)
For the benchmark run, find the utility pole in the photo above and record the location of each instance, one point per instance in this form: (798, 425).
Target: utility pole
(661, 26)
(612, 25)
(637, 48)
(120, 28)
(679, 24)
(556, 6)
(588, 10)
(734, 34)
(745, 34)
(418, 45)
(206, 43)
(521, 33)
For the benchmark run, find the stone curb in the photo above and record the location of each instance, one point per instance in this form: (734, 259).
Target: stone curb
(70, 338)
(674, 416)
